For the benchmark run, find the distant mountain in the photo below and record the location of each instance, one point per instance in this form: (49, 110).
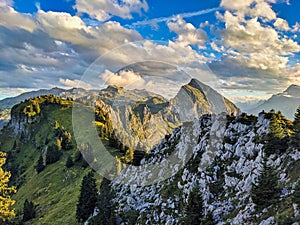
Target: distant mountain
(195, 99)
(114, 95)
(141, 113)
(249, 105)
(143, 118)
(287, 102)
(7, 103)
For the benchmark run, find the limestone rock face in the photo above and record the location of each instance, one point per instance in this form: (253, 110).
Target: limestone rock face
(140, 116)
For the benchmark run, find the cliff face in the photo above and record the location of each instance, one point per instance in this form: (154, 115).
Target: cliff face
(140, 117)
(143, 117)
(139, 120)
(19, 122)
(221, 157)
(196, 99)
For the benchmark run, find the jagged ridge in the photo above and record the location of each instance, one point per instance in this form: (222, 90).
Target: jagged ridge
(225, 183)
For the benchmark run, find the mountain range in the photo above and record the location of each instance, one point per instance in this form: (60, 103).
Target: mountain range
(287, 102)
(222, 156)
(141, 117)
(41, 127)
(145, 118)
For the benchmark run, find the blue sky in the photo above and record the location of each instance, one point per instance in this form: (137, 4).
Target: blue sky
(249, 49)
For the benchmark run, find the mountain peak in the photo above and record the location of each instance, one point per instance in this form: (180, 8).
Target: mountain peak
(54, 89)
(287, 102)
(114, 88)
(196, 83)
(196, 98)
(293, 90)
(205, 89)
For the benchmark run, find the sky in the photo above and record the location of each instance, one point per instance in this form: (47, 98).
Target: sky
(246, 49)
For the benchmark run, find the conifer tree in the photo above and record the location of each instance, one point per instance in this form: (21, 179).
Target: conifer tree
(15, 145)
(295, 138)
(52, 155)
(69, 162)
(194, 209)
(78, 156)
(296, 195)
(40, 165)
(209, 219)
(28, 210)
(277, 141)
(56, 125)
(104, 202)
(79, 159)
(87, 199)
(266, 192)
(6, 203)
(58, 143)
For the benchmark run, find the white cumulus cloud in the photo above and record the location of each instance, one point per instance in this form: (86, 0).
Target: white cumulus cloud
(125, 78)
(187, 33)
(69, 83)
(11, 18)
(253, 42)
(281, 24)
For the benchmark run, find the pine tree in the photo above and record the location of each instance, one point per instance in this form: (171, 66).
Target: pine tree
(15, 145)
(277, 137)
(296, 195)
(28, 210)
(79, 159)
(69, 162)
(87, 199)
(266, 191)
(40, 165)
(104, 203)
(194, 209)
(209, 219)
(52, 155)
(295, 138)
(6, 203)
(78, 156)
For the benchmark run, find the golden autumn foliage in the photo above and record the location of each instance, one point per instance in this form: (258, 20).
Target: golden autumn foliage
(6, 203)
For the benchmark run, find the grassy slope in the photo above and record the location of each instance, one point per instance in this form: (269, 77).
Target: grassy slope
(55, 190)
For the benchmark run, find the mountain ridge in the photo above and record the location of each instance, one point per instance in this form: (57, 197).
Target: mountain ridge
(145, 117)
(287, 102)
(226, 181)
(136, 110)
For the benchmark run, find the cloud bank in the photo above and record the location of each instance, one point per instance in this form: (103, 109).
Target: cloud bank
(249, 48)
